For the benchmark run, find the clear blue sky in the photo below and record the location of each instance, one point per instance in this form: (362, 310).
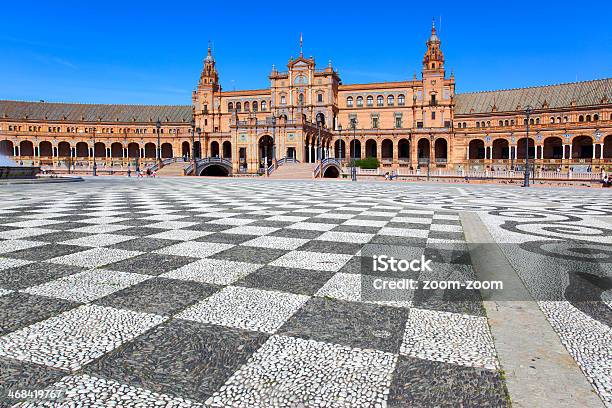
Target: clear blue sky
(132, 52)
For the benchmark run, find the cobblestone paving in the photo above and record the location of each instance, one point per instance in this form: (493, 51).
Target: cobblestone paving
(193, 292)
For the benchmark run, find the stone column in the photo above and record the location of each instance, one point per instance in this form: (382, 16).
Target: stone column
(570, 151)
(594, 151)
(601, 151)
(363, 147)
(563, 156)
(395, 153)
(309, 152)
(467, 149)
(509, 152)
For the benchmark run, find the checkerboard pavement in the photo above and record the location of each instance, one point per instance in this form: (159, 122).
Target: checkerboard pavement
(239, 294)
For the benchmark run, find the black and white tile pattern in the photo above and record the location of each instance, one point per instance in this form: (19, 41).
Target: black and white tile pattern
(193, 292)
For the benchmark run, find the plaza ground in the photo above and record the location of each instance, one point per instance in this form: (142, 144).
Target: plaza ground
(229, 292)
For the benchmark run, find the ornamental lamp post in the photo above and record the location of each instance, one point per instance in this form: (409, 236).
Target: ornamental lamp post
(354, 161)
(341, 151)
(95, 166)
(192, 130)
(528, 111)
(158, 126)
(320, 156)
(274, 140)
(199, 132)
(431, 138)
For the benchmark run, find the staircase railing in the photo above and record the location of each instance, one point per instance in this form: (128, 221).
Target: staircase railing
(190, 169)
(280, 162)
(325, 162)
(164, 162)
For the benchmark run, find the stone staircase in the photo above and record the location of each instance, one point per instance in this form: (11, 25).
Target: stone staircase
(293, 171)
(173, 169)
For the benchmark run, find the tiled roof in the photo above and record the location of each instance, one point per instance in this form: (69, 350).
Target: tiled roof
(73, 112)
(585, 93)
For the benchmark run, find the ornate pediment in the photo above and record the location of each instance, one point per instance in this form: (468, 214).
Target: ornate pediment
(301, 63)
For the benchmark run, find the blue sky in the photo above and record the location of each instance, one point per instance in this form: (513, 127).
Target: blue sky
(151, 53)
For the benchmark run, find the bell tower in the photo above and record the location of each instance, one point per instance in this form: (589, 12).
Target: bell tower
(437, 91)
(206, 96)
(209, 76)
(434, 59)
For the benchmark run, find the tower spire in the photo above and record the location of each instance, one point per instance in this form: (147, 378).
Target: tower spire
(301, 54)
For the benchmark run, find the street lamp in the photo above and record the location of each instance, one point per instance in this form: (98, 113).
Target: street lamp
(95, 166)
(341, 152)
(528, 111)
(274, 140)
(354, 168)
(158, 126)
(431, 138)
(199, 132)
(319, 125)
(192, 130)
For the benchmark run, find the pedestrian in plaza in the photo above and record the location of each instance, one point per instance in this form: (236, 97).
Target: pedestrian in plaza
(148, 172)
(129, 172)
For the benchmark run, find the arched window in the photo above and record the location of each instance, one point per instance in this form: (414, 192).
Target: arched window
(501, 123)
(488, 123)
(264, 106)
(552, 119)
(524, 121)
(247, 107)
(301, 99)
(370, 100)
(380, 100)
(531, 122)
(537, 121)
(255, 106)
(558, 119)
(596, 117)
(300, 80)
(580, 118)
(400, 100)
(238, 107)
(349, 102)
(506, 122)
(390, 100)
(477, 124)
(464, 125)
(359, 101)
(588, 118)
(512, 122)
(459, 125)
(230, 107)
(565, 119)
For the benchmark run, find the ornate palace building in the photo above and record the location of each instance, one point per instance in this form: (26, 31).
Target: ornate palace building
(406, 125)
